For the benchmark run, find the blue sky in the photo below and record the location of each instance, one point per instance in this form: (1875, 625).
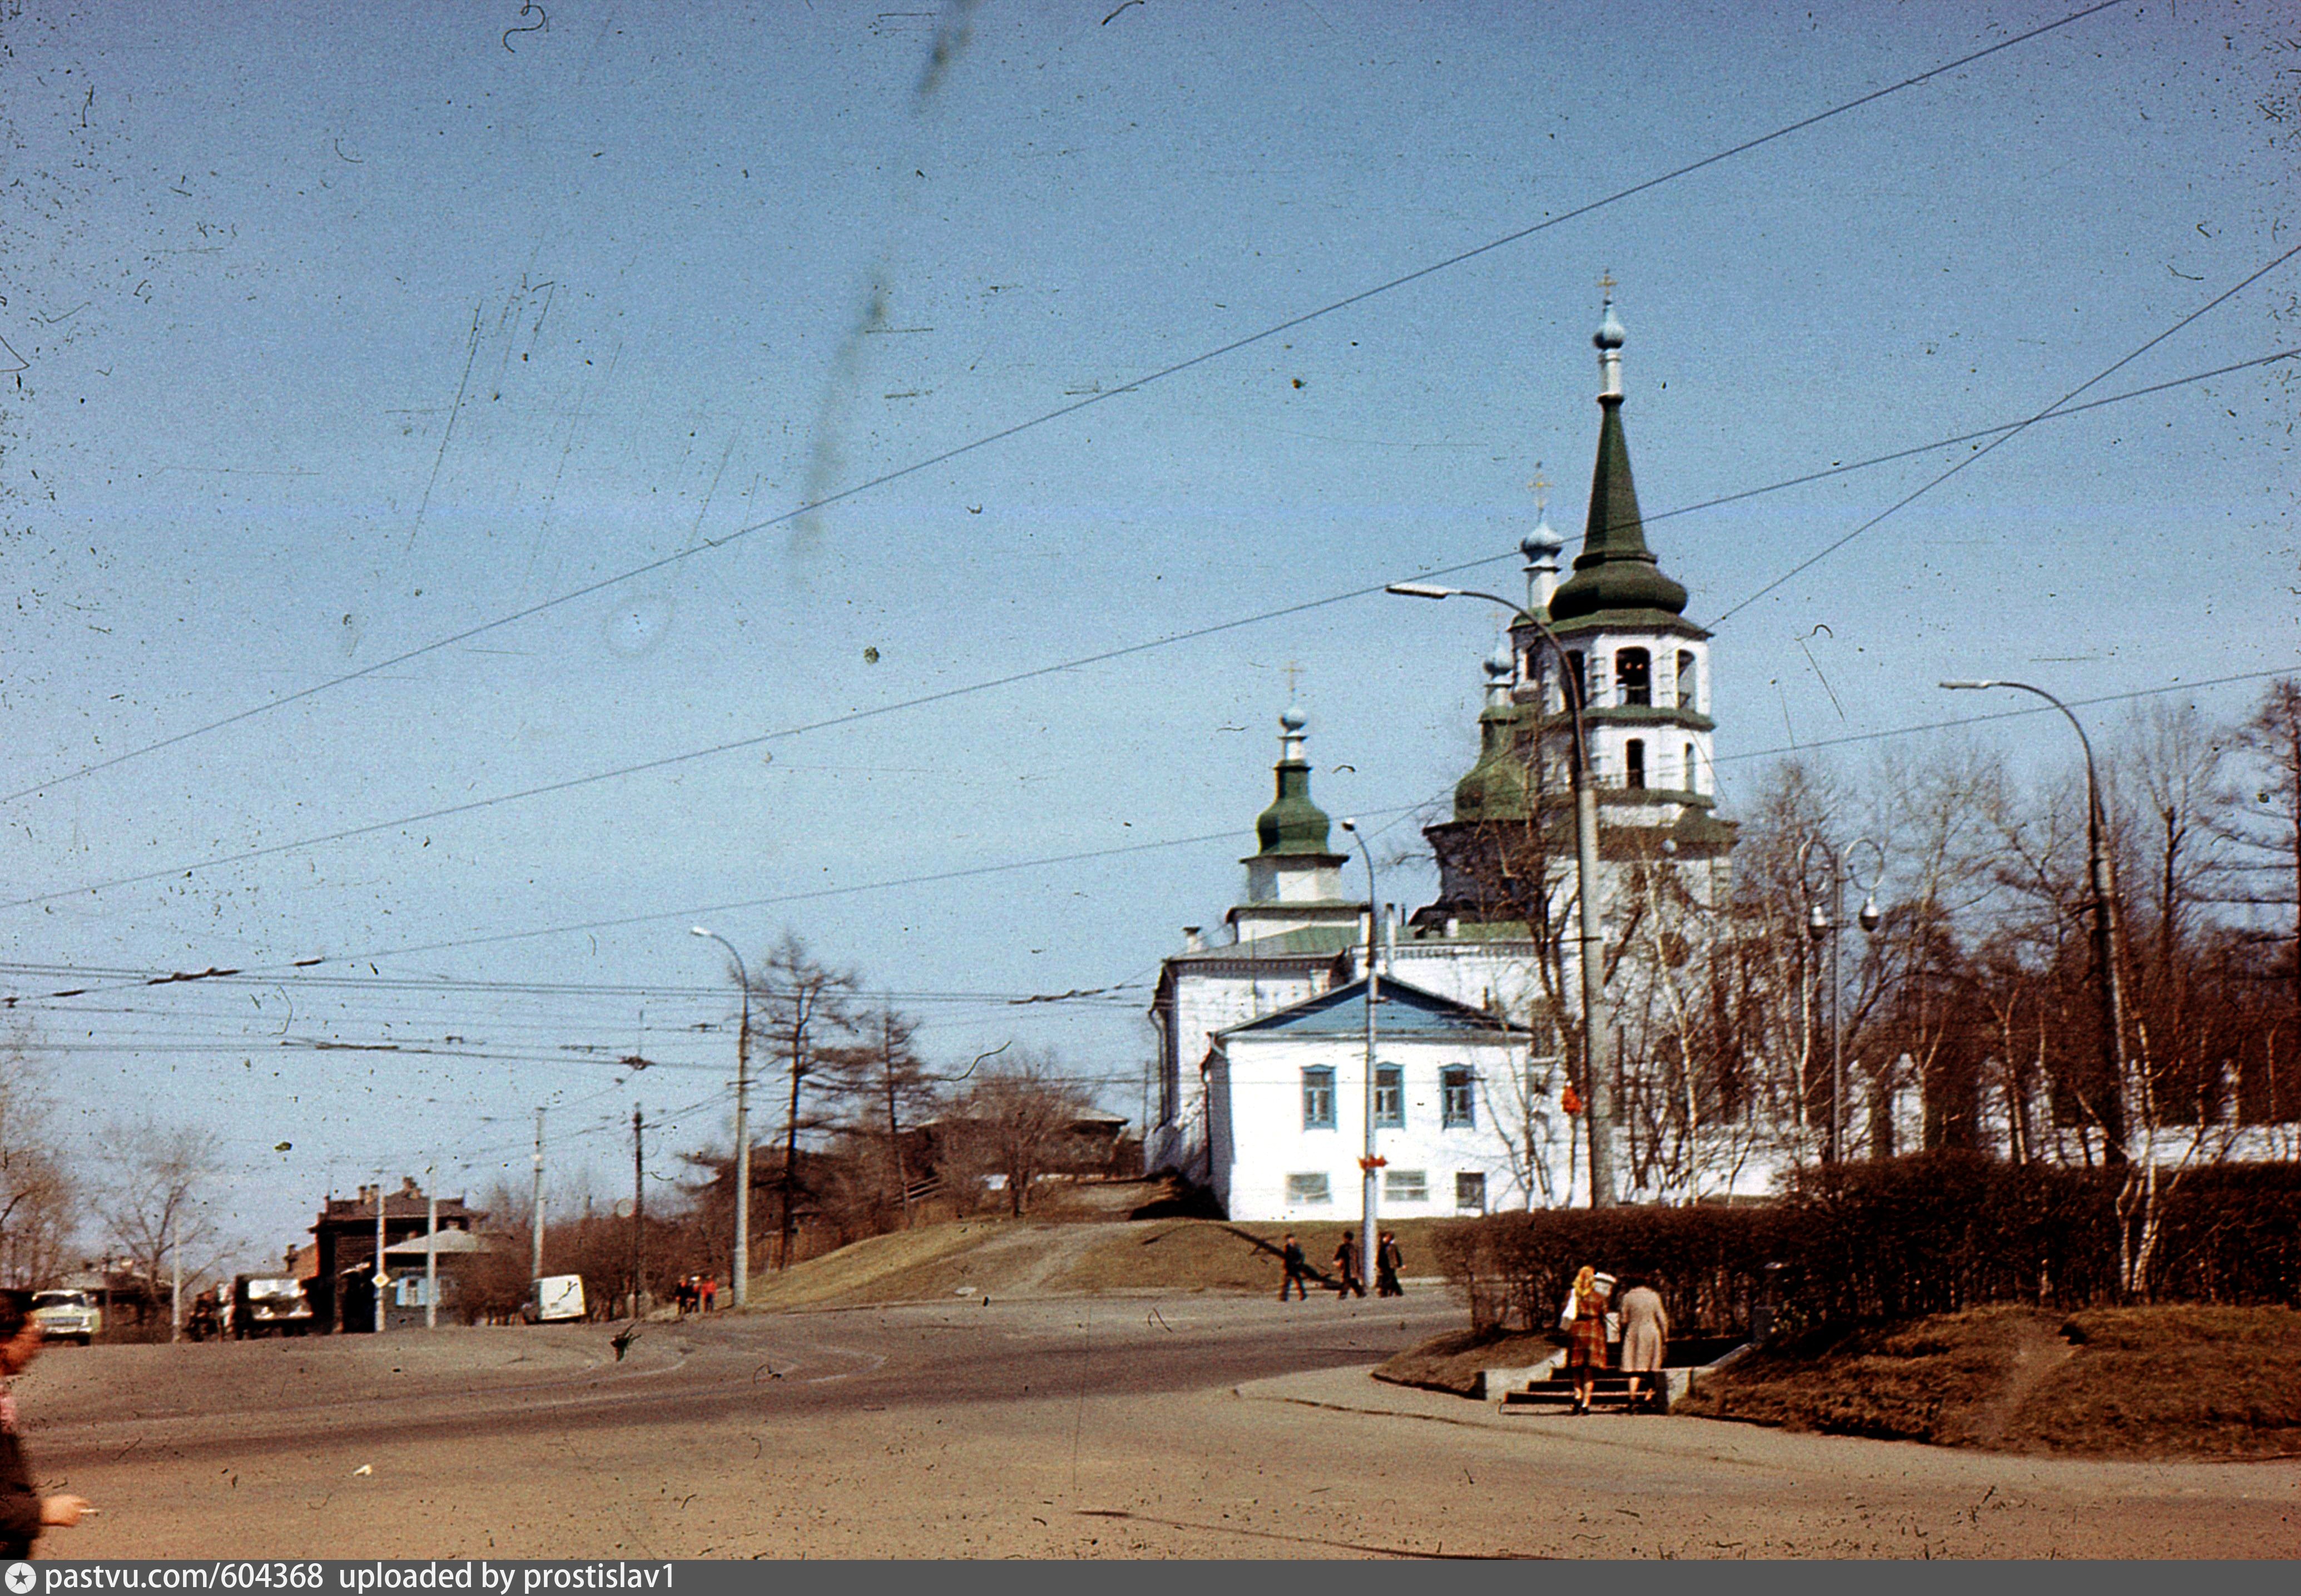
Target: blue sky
(343, 333)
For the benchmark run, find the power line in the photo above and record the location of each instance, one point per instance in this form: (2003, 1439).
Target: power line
(2002, 432)
(1058, 414)
(1927, 487)
(2005, 714)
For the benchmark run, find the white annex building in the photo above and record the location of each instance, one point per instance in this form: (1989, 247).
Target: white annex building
(1262, 1037)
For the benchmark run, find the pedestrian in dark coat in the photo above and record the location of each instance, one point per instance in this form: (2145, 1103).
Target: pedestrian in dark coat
(1346, 1265)
(1386, 1260)
(24, 1513)
(1297, 1268)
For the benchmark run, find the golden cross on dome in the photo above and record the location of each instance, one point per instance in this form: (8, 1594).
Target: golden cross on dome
(1541, 486)
(1293, 672)
(1606, 283)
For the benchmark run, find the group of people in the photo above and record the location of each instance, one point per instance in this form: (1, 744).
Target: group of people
(1645, 1328)
(1349, 1276)
(696, 1291)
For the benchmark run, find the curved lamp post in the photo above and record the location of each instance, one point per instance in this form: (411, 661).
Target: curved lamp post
(741, 1283)
(2105, 924)
(1601, 1107)
(1369, 1163)
(1830, 923)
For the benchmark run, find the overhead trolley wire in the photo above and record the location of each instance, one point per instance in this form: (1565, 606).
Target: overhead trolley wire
(2000, 433)
(1046, 417)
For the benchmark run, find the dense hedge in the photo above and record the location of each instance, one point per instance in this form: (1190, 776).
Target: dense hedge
(1895, 1238)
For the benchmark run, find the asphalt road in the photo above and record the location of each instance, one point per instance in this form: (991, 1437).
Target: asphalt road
(242, 1398)
(1128, 1427)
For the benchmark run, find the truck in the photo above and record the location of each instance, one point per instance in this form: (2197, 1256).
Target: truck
(554, 1299)
(66, 1315)
(269, 1305)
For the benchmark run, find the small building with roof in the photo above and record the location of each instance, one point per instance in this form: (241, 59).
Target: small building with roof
(1289, 1112)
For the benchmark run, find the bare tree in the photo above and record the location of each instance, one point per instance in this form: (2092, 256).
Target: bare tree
(155, 1195)
(803, 1013)
(1021, 1118)
(38, 1199)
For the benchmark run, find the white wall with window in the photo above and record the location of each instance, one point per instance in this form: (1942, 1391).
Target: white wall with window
(1289, 1091)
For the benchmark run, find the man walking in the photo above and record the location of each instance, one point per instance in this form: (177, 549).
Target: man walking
(1346, 1265)
(1386, 1259)
(1297, 1267)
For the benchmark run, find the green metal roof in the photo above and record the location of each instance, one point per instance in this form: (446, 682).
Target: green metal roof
(1615, 571)
(1293, 826)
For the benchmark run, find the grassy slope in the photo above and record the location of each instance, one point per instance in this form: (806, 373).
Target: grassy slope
(2162, 1381)
(1042, 1258)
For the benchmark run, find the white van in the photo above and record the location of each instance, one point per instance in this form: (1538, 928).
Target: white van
(553, 1300)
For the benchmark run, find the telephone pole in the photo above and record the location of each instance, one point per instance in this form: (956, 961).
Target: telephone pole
(639, 1201)
(535, 1251)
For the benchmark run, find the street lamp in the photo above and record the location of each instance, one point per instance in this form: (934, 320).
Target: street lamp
(1369, 1163)
(1601, 1106)
(2105, 924)
(742, 1271)
(1822, 922)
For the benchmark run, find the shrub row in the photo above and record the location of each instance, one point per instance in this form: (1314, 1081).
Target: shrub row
(1894, 1239)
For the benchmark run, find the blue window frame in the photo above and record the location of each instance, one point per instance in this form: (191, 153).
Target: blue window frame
(1318, 1099)
(1457, 1098)
(1389, 1097)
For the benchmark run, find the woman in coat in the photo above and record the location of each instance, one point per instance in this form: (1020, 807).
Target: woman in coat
(1585, 1322)
(1645, 1337)
(24, 1511)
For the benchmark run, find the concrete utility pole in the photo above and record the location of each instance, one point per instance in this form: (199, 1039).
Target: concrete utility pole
(742, 1283)
(1599, 1109)
(535, 1248)
(639, 1201)
(176, 1275)
(432, 1248)
(1371, 1163)
(376, 1281)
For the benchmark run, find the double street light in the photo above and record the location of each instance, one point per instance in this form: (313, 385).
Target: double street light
(1601, 1102)
(742, 1283)
(2112, 1106)
(1827, 923)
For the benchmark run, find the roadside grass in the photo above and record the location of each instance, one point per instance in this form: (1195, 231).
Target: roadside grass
(2154, 1381)
(1213, 1254)
(1934, 1380)
(2171, 1381)
(1044, 1256)
(1455, 1361)
(867, 1265)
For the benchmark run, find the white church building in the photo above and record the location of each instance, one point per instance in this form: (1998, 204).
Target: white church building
(1262, 1066)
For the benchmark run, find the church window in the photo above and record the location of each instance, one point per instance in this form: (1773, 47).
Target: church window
(1456, 1108)
(1405, 1185)
(1692, 768)
(1634, 762)
(1470, 1193)
(1309, 1189)
(1579, 682)
(1318, 1099)
(1389, 1097)
(1634, 675)
(1689, 680)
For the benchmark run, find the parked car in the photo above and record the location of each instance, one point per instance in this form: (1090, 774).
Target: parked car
(269, 1305)
(67, 1315)
(554, 1299)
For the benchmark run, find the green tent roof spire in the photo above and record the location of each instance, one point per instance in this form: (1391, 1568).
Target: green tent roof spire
(1615, 571)
(1292, 825)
